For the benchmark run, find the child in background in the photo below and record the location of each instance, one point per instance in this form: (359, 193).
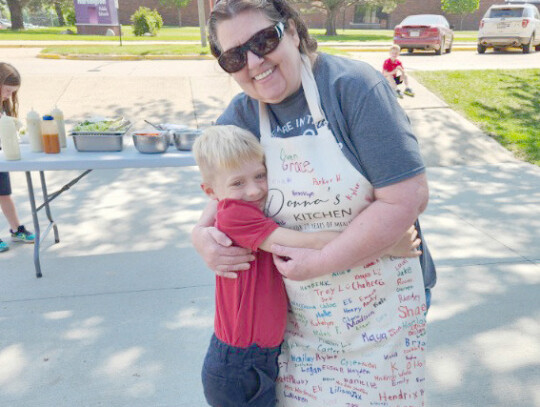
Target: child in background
(240, 366)
(394, 72)
(10, 82)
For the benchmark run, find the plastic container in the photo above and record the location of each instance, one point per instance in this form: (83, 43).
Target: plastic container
(33, 130)
(59, 118)
(8, 136)
(49, 131)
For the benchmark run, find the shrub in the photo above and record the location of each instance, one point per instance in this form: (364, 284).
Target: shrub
(146, 21)
(69, 15)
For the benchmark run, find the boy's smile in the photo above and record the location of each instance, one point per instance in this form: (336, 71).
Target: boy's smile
(248, 183)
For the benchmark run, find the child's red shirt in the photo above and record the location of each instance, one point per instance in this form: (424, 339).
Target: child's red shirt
(250, 309)
(390, 65)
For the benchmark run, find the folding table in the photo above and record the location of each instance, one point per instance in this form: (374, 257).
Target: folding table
(70, 159)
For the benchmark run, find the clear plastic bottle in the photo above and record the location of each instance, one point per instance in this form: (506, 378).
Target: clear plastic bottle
(49, 131)
(8, 136)
(33, 129)
(59, 118)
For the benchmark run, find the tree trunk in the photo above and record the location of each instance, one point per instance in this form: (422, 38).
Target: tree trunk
(179, 17)
(15, 10)
(58, 9)
(331, 22)
(461, 22)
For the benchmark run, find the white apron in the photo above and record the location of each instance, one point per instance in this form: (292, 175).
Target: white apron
(353, 338)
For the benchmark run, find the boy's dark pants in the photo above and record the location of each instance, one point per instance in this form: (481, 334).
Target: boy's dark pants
(240, 377)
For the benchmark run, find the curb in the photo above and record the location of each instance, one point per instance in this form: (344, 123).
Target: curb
(125, 57)
(189, 57)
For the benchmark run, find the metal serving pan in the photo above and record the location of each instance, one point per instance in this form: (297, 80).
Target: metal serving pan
(93, 141)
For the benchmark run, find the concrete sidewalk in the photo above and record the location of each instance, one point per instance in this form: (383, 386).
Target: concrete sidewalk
(124, 312)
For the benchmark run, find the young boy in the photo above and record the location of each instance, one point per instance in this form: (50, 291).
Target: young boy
(394, 72)
(241, 362)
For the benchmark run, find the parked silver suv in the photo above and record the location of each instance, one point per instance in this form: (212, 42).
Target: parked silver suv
(510, 25)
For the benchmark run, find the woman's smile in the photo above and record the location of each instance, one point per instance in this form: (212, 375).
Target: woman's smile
(263, 75)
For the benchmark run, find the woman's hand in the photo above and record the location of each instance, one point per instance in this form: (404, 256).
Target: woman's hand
(407, 246)
(218, 253)
(299, 264)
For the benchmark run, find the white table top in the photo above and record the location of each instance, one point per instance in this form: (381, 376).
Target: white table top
(70, 159)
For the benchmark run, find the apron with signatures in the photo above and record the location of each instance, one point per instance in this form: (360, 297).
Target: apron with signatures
(355, 337)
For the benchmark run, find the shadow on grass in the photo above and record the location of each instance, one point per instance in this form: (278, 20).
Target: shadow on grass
(501, 118)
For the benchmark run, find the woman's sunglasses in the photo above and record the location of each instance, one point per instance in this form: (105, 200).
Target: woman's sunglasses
(262, 43)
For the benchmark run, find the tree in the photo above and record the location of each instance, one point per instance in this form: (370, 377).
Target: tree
(15, 10)
(179, 5)
(60, 7)
(460, 7)
(332, 8)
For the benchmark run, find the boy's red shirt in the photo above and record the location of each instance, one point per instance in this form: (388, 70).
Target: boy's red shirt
(250, 309)
(390, 65)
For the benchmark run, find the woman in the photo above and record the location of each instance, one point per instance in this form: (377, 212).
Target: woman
(10, 81)
(355, 333)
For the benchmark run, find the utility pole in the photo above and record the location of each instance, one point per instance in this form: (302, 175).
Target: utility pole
(202, 22)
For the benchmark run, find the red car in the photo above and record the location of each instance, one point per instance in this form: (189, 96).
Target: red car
(424, 31)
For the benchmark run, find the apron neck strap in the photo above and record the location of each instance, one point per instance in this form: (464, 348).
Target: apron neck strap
(311, 94)
(310, 90)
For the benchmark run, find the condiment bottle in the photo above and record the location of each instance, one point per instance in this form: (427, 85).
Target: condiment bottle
(8, 136)
(33, 129)
(49, 131)
(59, 118)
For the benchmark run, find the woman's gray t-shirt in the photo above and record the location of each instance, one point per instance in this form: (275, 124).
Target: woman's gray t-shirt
(362, 111)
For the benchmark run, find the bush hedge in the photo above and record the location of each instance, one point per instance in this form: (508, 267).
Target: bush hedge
(146, 21)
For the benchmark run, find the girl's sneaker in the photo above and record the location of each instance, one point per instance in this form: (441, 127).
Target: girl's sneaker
(3, 246)
(22, 235)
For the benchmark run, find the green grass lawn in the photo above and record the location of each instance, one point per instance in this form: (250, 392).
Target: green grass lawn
(145, 50)
(504, 103)
(127, 49)
(54, 34)
(170, 33)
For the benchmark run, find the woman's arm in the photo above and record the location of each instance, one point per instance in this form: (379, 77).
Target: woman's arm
(293, 238)
(407, 246)
(367, 237)
(216, 248)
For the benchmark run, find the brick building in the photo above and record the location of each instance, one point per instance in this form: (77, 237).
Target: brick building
(190, 14)
(352, 17)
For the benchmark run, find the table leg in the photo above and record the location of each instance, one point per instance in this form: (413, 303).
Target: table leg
(35, 219)
(47, 207)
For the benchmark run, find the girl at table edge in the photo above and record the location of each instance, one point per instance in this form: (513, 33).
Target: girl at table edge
(397, 204)
(10, 82)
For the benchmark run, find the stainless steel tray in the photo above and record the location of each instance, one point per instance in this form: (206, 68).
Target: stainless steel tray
(95, 141)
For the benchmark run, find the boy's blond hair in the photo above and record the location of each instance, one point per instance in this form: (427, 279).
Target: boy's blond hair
(395, 47)
(225, 147)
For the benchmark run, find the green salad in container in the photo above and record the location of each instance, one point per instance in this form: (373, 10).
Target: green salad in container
(102, 125)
